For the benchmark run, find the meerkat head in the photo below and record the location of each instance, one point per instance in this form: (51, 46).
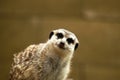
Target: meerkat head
(63, 40)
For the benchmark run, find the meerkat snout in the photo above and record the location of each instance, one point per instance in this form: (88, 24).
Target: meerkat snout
(61, 45)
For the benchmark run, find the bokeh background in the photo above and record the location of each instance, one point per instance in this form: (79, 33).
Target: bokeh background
(95, 22)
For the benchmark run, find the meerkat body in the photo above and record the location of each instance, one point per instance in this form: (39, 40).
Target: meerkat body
(46, 61)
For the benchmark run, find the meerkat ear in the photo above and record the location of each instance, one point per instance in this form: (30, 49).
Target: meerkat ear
(51, 34)
(76, 46)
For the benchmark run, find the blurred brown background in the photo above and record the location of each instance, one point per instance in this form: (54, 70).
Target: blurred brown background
(95, 22)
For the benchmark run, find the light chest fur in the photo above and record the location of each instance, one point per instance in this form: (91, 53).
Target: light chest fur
(55, 64)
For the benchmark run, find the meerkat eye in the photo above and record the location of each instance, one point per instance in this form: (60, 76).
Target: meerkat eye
(59, 35)
(70, 41)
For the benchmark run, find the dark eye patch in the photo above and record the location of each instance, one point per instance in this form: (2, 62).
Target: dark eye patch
(59, 35)
(70, 41)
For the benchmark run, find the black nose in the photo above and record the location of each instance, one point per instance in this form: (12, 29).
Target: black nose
(62, 43)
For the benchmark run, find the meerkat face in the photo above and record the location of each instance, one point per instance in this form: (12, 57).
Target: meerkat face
(64, 40)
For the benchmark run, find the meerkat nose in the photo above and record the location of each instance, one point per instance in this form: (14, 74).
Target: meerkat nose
(62, 45)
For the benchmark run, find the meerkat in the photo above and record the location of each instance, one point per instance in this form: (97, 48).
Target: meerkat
(46, 61)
